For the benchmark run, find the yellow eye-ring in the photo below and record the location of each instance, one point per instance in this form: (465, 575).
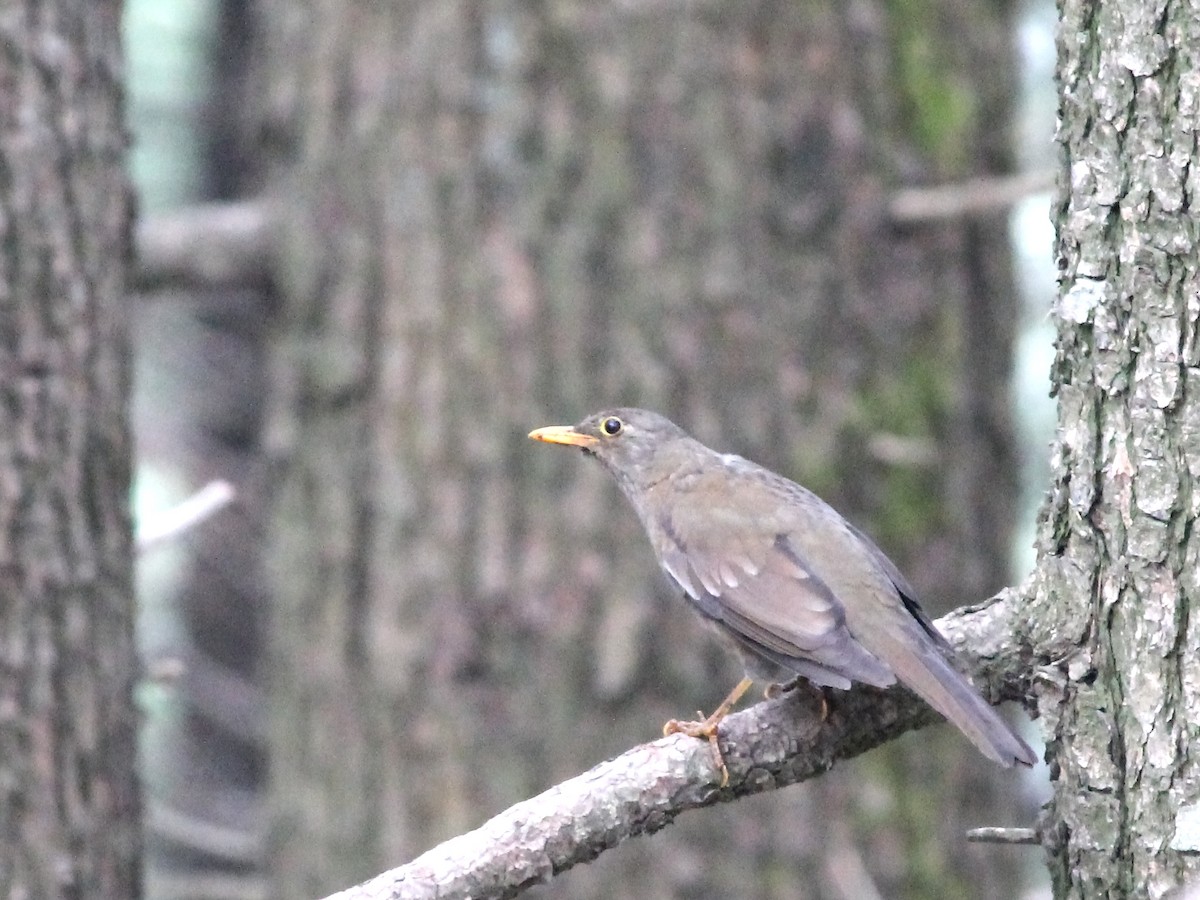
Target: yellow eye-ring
(612, 426)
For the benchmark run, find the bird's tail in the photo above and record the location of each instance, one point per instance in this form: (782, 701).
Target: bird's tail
(944, 688)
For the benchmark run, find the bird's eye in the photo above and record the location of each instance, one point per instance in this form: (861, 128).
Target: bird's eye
(612, 426)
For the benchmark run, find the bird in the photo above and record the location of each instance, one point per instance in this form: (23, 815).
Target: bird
(797, 590)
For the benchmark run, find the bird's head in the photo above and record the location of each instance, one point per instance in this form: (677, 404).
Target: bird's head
(637, 446)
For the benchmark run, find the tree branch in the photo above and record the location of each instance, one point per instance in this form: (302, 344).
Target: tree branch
(979, 196)
(773, 744)
(227, 243)
(206, 245)
(171, 523)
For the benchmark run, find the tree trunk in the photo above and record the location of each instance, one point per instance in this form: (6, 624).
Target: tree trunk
(1118, 557)
(69, 814)
(507, 215)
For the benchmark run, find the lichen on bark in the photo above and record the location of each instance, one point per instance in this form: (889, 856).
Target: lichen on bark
(1117, 553)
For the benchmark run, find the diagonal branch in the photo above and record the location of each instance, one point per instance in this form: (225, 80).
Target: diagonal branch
(164, 526)
(773, 744)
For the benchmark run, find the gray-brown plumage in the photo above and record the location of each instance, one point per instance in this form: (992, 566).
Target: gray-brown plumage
(798, 589)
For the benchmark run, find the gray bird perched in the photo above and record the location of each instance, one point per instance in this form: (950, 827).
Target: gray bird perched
(797, 589)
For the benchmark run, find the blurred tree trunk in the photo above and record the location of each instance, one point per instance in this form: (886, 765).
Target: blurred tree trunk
(202, 383)
(499, 216)
(1118, 546)
(69, 813)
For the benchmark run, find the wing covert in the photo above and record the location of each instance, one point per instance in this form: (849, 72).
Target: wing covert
(773, 602)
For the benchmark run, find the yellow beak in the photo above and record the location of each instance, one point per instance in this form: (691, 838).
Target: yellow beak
(563, 434)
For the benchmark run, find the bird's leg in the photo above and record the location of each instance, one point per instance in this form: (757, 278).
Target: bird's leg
(707, 728)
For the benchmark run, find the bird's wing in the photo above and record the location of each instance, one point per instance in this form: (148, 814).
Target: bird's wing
(749, 576)
(908, 596)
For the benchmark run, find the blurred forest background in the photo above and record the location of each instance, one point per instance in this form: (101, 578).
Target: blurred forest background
(490, 217)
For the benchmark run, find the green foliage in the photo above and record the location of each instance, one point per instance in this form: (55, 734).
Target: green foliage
(884, 456)
(939, 106)
(908, 408)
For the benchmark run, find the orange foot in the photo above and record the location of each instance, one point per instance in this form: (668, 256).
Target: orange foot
(707, 728)
(703, 729)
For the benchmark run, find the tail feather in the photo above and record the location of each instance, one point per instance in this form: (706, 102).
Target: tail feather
(940, 685)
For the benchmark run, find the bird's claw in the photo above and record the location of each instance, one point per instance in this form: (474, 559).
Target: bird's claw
(707, 730)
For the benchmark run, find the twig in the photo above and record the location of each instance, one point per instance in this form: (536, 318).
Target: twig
(996, 835)
(207, 245)
(968, 198)
(241, 844)
(191, 512)
(847, 870)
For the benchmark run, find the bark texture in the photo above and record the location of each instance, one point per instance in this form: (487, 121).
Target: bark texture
(506, 215)
(1119, 555)
(69, 824)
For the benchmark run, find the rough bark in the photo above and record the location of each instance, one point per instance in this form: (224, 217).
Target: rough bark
(502, 216)
(1118, 552)
(69, 824)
